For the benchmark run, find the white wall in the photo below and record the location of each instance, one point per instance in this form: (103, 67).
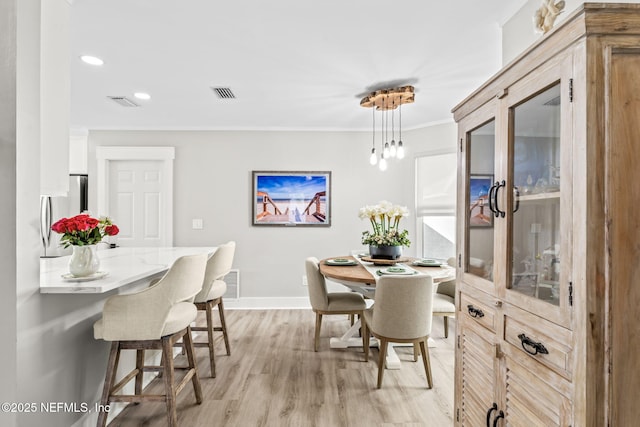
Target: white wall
(8, 357)
(212, 181)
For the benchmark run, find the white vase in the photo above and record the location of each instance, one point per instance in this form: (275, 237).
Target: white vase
(84, 261)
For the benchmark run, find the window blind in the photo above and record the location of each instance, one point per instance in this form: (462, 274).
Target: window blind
(436, 186)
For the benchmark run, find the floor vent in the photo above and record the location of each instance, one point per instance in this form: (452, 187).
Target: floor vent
(224, 92)
(233, 286)
(123, 100)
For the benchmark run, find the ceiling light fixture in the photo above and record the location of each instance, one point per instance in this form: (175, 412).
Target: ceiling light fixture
(384, 100)
(92, 60)
(142, 95)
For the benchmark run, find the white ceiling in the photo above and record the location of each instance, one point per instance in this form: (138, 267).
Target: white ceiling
(292, 64)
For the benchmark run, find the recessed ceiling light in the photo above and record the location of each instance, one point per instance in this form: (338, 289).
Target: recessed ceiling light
(142, 95)
(91, 60)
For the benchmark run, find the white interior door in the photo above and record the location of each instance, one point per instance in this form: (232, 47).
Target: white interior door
(135, 188)
(135, 201)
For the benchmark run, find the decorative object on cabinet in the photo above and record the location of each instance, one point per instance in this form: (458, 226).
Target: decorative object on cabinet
(546, 15)
(545, 339)
(291, 198)
(385, 100)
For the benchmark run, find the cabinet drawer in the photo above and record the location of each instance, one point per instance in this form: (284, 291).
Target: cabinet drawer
(540, 339)
(536, 397)
(479, 311)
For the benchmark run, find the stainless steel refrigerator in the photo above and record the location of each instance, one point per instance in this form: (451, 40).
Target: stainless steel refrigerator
(54, 208)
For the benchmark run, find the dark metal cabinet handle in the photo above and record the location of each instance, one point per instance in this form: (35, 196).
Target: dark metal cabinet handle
(474, 312)
(517, 197)
(498, 213)
(491, 190)
(500, 415)
(528, 344)
(493, 408)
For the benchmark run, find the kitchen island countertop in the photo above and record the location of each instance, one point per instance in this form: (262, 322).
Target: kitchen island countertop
(121, 266)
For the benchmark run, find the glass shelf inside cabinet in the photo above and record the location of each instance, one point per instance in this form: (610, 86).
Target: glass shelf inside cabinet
(535, 234)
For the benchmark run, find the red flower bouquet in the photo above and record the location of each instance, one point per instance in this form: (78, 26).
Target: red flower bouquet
(83, 230)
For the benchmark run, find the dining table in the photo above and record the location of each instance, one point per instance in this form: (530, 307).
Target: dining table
(360, 274)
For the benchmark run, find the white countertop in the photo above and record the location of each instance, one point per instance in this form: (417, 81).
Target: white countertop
(122, 265)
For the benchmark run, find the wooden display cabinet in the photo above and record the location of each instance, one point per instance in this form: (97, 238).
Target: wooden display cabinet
(548, 253)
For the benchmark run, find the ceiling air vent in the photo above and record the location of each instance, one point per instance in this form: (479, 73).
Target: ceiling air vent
(224, 92)
(123, 100)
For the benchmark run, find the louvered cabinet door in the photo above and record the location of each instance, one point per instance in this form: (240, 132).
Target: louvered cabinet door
(534, 395)
(478, 375)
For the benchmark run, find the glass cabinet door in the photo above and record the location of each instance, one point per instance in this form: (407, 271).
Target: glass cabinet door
(481, 148)
(536, 230)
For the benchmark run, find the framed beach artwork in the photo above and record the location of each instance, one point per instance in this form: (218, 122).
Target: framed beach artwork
(291, 198)
(479, 213)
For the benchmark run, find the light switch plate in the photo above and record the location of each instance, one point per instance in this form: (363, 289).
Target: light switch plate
(196, 224)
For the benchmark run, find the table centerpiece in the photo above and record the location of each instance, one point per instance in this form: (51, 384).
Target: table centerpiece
(386, 240)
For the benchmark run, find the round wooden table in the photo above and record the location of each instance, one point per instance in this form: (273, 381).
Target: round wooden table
(361, 280)
(358, 274)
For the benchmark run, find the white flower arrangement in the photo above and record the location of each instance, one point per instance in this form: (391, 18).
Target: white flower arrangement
(385, 219)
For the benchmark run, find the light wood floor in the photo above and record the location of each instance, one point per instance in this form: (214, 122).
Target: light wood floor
(274, 378)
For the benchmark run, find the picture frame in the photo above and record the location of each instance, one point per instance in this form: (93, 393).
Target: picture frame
(291, 198)
(479, 214)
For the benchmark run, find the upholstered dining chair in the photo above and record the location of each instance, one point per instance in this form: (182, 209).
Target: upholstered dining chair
(213, 288)
(328, 303)
(153, 318)
(444, 300)
(402, 314)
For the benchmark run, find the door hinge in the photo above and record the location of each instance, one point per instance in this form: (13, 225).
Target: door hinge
(458, 341)
(461, 145)
(457, 414)
(570, 90)
(460, 260)
(571, 293)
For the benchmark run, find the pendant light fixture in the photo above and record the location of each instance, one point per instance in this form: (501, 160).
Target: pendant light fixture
(384, 100)
(374, 158)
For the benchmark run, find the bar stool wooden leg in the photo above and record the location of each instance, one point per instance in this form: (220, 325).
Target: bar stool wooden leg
(168, 376)
(140, 374)
(224, 326)
(188, 345)
(210, 329)
(109, 379)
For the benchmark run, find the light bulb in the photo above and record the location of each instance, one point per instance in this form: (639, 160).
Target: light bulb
(392, 150)
(385, 152)
(373, 159)
(383, 164)
(400, 150)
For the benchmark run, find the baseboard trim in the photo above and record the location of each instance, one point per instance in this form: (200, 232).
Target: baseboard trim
(268, 303)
